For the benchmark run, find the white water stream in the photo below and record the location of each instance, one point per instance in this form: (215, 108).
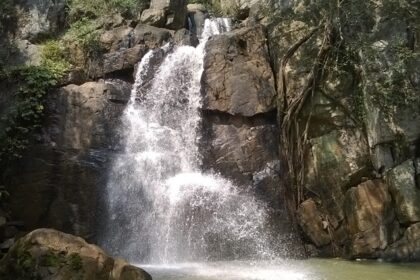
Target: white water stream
(161, 207)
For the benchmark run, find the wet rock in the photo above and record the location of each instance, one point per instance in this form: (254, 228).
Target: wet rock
(239, 151)
(370, 218)
(237, 75)
(125, 46)
(406, 194)
(50, 254)
(150, 36)
(184, 37)
(197, 14)
(80, 134)
(313, 223)
(407, 248)
(120, 60)
(6, 244)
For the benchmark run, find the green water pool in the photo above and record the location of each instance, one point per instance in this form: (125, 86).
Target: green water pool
(312, 269)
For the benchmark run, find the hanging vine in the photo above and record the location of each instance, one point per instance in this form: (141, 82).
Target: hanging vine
(294, 137)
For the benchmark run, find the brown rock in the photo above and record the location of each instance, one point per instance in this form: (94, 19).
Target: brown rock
(402, 185)
(313, 223)
(50, 254)
(237, 76)
(407, 248)
(370, 218)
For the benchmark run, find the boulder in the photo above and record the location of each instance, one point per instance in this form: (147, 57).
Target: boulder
(171, 13)
(237, 76)
(116, 38)
(120, 60)
(370, 218)
(405, 193)
(50, 254)
(154, 17)
(345, 152)
(407, 248)
(150, 36)
(313, 223)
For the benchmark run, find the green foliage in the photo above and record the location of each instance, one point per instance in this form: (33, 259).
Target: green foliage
(85, 32)
(75, 262)
(51, 260)
(99, 8)
(25, 116)
(54, 58)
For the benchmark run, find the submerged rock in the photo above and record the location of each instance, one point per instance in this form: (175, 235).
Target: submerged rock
(51, 254)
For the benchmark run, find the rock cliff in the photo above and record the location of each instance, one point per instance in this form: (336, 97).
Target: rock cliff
(312, 105)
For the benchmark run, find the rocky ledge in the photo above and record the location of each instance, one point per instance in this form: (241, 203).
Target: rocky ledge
(51, 254)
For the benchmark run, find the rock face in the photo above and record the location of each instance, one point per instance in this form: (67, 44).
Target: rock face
(361, 139)
(238, 78)
(125, 46)
(50, 254)
(60, 178)
(240, 131)
(39, 18)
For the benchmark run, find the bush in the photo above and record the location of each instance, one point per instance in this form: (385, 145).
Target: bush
(100, 8)
(25, 116)
(53, 58)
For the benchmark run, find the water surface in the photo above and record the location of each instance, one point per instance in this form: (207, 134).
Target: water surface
(313, 269)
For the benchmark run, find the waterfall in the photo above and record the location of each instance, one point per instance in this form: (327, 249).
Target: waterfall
(161, 208)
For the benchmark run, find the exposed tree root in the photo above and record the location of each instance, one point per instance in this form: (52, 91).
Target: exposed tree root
(295, 138)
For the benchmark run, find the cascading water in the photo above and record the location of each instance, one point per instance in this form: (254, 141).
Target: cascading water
(161, 207)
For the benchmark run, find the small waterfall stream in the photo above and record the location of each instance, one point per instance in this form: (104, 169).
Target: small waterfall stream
(161, 207)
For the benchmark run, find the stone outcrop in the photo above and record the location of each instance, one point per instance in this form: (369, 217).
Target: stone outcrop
(60, 177)
(238, 78)
(125, 46)
(50, 254)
